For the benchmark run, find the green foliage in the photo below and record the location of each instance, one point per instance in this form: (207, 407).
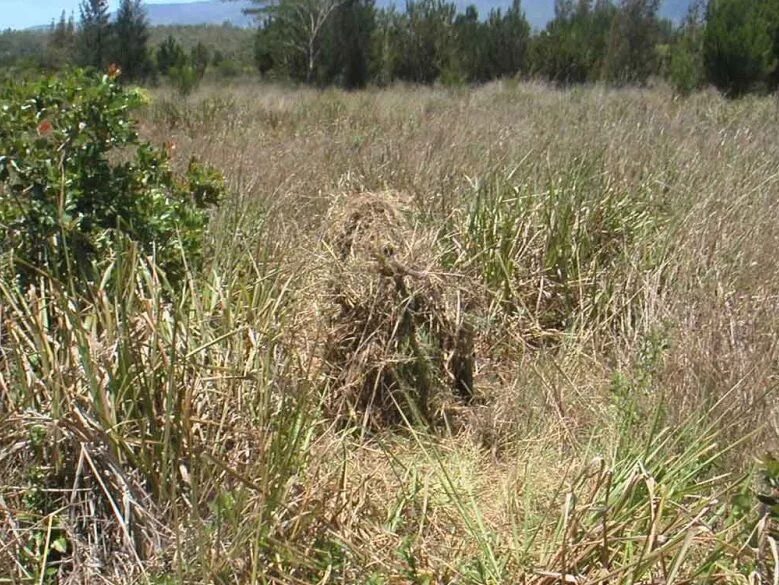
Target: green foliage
(231, 42)
(566, 241)
(496, 48)
(61, 42)
(23, 48)
(200, 57)
(94, 35)
(634, 33)
(573, 47)
(185, 73)
(685, 69)
(420, 42)
(292, 35)
(185, 79)
(347, 45)
(769, 495)
(132, 36)
(351, 43)
(263, 50)
(509, 36)
(75, 179)
(224, 66)
(170, 55)
(738, 46)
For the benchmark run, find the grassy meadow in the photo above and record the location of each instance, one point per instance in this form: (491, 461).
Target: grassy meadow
(508, 334)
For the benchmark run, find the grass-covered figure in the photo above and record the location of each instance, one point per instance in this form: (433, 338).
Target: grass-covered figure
(76, 179)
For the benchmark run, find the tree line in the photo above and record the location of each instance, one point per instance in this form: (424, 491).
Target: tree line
(731, 44)
(97, 41)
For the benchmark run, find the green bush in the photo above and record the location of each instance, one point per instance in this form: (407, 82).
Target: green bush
(738, 46)
(76, 179)
(185, 79)
(685, 68)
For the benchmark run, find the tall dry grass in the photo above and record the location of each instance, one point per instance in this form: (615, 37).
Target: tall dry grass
(613, 254)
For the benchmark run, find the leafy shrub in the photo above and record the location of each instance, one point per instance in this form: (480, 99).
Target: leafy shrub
(185, 79)
(228, 68)
(737, 46)
(685, 68)
(75, 179)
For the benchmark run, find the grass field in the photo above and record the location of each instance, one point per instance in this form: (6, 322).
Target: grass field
(508, 334)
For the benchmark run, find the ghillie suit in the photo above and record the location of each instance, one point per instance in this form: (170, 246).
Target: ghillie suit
(397, 327)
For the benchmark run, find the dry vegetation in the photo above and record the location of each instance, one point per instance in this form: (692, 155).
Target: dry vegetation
(500, 335)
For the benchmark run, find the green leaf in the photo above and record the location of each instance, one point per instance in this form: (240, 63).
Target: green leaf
(60, 545)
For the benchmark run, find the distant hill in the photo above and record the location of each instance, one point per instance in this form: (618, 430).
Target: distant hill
(202, 12)
(538, 12)
(220, 11)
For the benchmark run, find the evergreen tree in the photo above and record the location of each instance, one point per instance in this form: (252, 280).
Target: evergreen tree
(509, 37)
(738, 45)
(347, 45)
(635, 32)
(264, 48)
(386, 45)
(62, 42)
(573, 47)
(199, 57)
(94, 35)
(170, 55)
(423, 45)
(472, 45)
(131, 30)
(770, 12)
(685, 68)
(293, 33)
(273, 52)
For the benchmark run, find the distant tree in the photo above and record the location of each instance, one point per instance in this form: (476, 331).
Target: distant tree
(573, 47)
(770, 11)
(131, 31)
(472, 45)
(173, 62)
(347, 45)
(199, 57)
(738, 45)
(225, 67)
(22, 49)
(685, 71)
(94, 34)
(383, 47)
(169, 54)
(294, 31)
(635, 32)
(265, 46)
(508, 38)
(421, 44)
(61, 42)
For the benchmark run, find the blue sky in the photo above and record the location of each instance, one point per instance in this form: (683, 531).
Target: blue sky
(26, 13)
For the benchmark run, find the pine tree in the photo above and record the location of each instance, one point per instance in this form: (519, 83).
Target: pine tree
(94, 35)
(61, 42)
(170, 55)
(472, 45)
(573, 47)
(738, 48)
(426, 45)
(510, 39)
(347, 45)
(635, 32)
(131, 51)
(199, 57)
(685, 68)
